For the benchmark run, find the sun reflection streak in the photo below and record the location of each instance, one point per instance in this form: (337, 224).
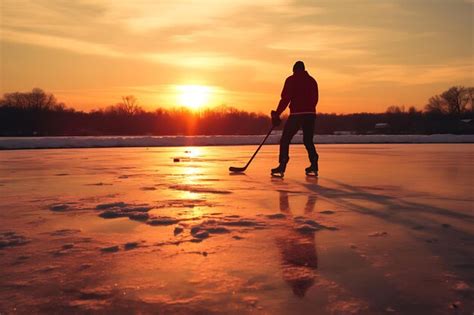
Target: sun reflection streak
(193, 152)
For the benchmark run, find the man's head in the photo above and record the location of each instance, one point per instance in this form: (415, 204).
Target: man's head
(298, 67)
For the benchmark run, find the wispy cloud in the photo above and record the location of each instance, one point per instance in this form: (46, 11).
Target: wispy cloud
(414, 75)
(74, 45)
(247, 47)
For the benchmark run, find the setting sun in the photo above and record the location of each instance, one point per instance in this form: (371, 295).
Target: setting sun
(193, 96)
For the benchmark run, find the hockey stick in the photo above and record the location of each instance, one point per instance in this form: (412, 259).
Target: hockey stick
(242, 169)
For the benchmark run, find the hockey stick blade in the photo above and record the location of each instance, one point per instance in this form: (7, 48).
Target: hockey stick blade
(237, 169)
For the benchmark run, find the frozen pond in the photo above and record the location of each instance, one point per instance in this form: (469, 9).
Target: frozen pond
(387, 228)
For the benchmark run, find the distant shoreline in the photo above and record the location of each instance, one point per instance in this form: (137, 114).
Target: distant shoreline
(17, 143)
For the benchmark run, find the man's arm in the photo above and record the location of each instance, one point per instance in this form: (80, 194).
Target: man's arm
(285, 97)
(317, 92)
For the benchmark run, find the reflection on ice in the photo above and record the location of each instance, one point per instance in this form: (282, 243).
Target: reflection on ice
(298, 250)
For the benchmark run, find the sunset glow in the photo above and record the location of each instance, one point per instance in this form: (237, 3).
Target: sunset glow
(366, 55)
(193, 96)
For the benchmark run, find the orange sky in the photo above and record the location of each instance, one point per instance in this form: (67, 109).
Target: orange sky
(366, 55)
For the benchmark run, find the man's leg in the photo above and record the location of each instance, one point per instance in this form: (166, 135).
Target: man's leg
(308, 134)
(291, 128)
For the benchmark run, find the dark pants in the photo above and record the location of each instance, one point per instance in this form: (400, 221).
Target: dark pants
(293, 124)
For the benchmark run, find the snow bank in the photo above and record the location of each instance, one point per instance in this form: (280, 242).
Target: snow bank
(164, 141)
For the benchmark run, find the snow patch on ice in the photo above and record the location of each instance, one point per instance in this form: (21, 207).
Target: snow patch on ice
(121, 209)
(164, 141)
(327, 212)
(199, 189)
(63, 206)
(461, 286)
(178, 230)
(305, 225)
(276, 216)
(378, 234)
(162, 221)
(48, 268)
(110, 205)
(59, 207)
(65, 232)
(12, 239)
(148, 188)
(186, 203)
(130, 245)
(201, 234)
(306, 228)
(110, 249)
(67, 246)
(209, 226)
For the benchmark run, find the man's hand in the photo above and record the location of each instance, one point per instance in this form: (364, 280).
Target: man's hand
(276, 121)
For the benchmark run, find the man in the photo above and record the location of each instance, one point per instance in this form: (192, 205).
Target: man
(301, 93)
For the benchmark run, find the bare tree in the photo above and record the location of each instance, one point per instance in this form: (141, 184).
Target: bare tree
(394, 109)
(437, 105)
(128, 107)
(468, 99)
(130, 104)
(37, 99)
(455, 99)
(412, 110)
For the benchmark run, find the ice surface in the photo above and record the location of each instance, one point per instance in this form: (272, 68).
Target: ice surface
(386, 228)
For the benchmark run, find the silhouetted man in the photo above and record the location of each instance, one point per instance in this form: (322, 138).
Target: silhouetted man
(301, 93)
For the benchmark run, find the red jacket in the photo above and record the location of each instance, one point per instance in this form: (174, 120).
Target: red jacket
(301, 92)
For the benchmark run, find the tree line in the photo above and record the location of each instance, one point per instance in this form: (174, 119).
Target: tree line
(38, 113)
